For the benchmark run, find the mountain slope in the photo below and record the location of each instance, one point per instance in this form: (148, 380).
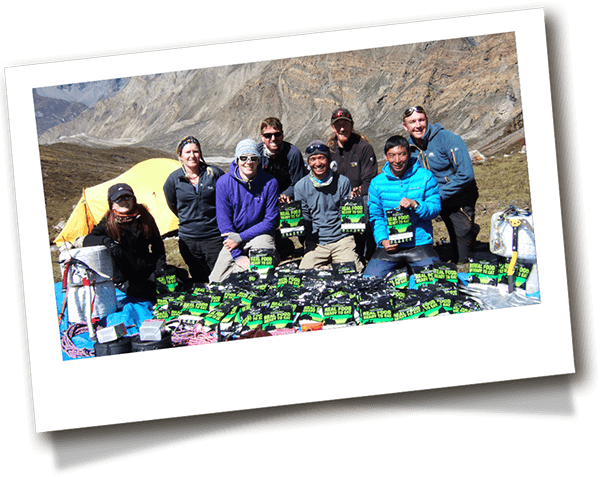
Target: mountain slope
(470, 85)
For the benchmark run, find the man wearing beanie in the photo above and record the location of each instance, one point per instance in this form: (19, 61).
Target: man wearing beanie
(321, 194)
(247, 212)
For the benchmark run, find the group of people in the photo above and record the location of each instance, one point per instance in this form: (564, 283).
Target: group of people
(223, 215)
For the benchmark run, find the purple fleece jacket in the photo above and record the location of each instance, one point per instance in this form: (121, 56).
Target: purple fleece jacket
(247, 208)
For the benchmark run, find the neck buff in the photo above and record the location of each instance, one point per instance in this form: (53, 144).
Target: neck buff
(122, 218)
(321, 183)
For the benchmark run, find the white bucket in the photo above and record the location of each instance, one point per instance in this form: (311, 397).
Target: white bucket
(501, 236)
(97, 258)
(99, 297)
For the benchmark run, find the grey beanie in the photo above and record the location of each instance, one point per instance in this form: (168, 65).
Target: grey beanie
(318, 147)
(247, 147)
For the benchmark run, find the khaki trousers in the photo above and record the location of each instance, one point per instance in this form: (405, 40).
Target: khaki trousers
(344, 250)
(226, 265)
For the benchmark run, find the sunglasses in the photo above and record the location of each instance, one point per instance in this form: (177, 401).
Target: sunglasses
(316, 147)
(248, 158)
(123, 198)
(414, 109)
(270, 135)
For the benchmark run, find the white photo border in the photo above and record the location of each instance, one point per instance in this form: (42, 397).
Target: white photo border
(456, 350)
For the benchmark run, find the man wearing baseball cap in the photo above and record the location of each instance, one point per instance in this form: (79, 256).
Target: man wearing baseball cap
(353, 157)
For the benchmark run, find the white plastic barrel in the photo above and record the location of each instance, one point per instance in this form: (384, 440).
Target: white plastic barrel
(501, 236)
(97, 300)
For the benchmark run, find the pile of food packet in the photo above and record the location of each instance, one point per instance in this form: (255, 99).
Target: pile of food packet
(289, 297)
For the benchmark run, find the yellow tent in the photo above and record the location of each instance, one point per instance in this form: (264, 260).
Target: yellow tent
(146, 178)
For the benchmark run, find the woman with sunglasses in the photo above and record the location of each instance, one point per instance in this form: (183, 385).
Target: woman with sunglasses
(190, 194)
(247, 211)
(131, 235)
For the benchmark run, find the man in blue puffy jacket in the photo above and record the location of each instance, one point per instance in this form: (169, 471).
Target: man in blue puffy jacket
(404, 184)
(446, 155)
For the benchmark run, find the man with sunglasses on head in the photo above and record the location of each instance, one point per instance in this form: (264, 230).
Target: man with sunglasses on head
(321, 193)
(446, 155)
(280, 158)
(247, 212)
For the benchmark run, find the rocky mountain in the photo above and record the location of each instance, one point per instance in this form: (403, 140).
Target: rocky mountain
(50, 111)
(470, 85)
(87, 93)
(61, 104)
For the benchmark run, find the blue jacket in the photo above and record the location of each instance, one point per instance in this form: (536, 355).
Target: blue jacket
(386, 191)
(247, 208)
(446, 155)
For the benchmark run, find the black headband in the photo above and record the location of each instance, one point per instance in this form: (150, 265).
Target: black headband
(185, 141)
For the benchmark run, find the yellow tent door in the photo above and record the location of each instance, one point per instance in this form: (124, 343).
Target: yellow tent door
(146, 178)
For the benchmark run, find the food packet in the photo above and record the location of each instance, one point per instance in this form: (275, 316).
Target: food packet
(291, 221)
(423, 275)
(340, 308)
(308, 312)
(251, 317)
(408, 309)
(166, 280)
(168, 311)
(225, 312)
(400, 229)
(463, 304)
(375, 310)
(289, 278)
(447, 272)
(262, 260)
(399, 278)
(352, 213)
(520, 273)
(279, 317)
(344, 269)
(483, 271)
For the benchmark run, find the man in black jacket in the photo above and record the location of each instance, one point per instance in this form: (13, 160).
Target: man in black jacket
(353, 157)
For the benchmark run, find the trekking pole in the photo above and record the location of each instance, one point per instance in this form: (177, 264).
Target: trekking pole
(65, 289)
(515, 223)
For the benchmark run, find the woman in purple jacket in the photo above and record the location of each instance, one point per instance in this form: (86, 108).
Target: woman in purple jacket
(247, 211)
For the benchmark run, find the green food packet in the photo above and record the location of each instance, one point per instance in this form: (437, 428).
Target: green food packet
(291, 221)
(352, 214)
(400, 227)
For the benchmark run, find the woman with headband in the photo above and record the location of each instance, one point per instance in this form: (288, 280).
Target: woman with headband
(190, 194)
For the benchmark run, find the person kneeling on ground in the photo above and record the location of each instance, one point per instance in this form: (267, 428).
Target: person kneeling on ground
(247, 211)
(321, 193)
(403, 183)
(131, 235)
